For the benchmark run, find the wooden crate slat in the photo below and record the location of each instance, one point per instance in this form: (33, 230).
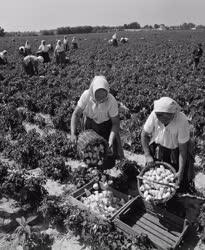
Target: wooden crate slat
(158, 229)
(76, 196)
(165, 231)
(155, 239)
(152, 231)
(156, 220)
(136, 230)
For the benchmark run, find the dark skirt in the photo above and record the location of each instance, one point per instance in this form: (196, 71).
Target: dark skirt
(27, 52)
(103, 129)
(66, 47)
(45, 56)
(171, 156)
(74, 45)
(29, 69)
(1, 77)
(2, 62)
(115, 43)
(60, 57)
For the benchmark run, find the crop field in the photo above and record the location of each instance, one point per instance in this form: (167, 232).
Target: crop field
(151, 65)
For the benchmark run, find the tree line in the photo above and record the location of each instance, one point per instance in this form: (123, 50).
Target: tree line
(99, 29)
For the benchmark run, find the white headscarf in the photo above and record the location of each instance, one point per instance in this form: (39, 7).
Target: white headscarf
(27, 45)
(59, 46)
(114, 36)
(98, 82)
(65, 40)
(166, 105)
(3, 54)
(43, 48)
(74, 40)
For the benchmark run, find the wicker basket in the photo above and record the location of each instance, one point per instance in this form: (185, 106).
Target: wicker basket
(90, 138)
(153, 202)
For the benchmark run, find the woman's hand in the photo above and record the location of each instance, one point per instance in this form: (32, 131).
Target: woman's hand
(110, 148)
(178, 178)
(149, 160)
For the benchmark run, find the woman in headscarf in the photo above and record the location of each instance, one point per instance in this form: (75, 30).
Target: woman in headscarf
(30, 64)
(22, 51)
(3, 57)
(100, 110)
(59, 53)
(27, 48)
(65, 43)
(43, 51)
(74, 44)
(114, 40)
(166, 137)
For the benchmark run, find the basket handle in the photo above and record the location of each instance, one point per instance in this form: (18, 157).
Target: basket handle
(156, 182)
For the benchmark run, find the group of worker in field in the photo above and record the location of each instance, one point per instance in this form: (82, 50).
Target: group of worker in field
(166, 134)
(31, 60)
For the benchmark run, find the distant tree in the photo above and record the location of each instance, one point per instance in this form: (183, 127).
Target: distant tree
(156, 26)
(202, 27)
(134, 25)
(148, 27)
(187, 26)
(47, 32)
(2, 32)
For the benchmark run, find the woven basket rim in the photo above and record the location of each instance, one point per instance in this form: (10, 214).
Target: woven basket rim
(145, 169)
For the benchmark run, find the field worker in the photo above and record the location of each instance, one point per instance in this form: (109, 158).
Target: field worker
(27, 48)
(197, 54)
(74, 43)
(3, 57)
(59, 53)
(124, 39)
(22, 51)
(43, 51)
(100, 110)
(65, 43)
(114, 40)
(166, 137)
(30, 64)
(50, 47)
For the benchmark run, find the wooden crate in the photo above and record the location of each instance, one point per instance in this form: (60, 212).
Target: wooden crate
(75, 197)
(165, 231)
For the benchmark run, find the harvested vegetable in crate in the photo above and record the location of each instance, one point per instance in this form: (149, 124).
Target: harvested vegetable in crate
(103, 202)
(92, 148)
(157, 183)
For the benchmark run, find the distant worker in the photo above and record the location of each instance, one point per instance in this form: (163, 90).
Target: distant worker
(50, 47)
(59, 53)
(30, 64)
(65, 43)
(27, 48)
(43, 51)
(197, 54)
(74, 43)
(3, 57)
(22, 51)
(114, 40)
(124, 39)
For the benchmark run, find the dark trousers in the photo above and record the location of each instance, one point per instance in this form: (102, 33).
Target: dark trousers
(171, 156)
(45, 56)
(29, 69)
(60, 57)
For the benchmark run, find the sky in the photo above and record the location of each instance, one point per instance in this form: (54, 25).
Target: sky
(35, 15)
